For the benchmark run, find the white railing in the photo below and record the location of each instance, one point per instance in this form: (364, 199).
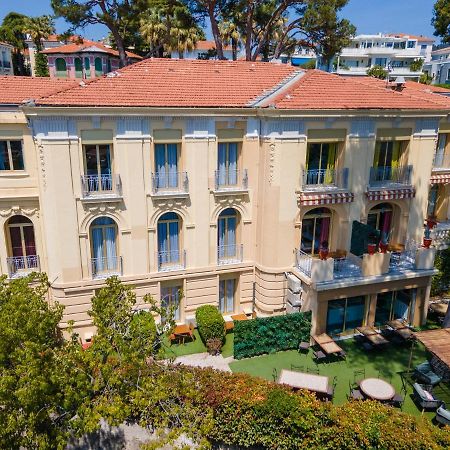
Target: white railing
(106, 266)
(170, 182)
(303, 262)
(337, 178)
(230, 254)
(406, 259)
(441, 235)
(171, 260)
(22, 265)
(229, 179)
(98, 185)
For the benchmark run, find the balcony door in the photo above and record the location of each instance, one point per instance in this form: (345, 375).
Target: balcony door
(315, 230)
(380, 218)
(387, 160)
(170, 300)
(169, 239)
(98, 166)
(227, 164)
(166, 165)
(104, 246)
(393, 305)
(227, 225)
(321, 162)
(22, 244)
(227, 290)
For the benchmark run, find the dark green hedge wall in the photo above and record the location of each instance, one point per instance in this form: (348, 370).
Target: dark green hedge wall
(210, 323)
(270, 334)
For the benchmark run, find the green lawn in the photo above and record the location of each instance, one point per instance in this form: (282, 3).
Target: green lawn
(388, 364)
(196, 346)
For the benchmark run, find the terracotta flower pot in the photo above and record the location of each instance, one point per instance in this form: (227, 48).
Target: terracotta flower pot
(323, 254)
(383, 247)
(371, 248)
(427, 242)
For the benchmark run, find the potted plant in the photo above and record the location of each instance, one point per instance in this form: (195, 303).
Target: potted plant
(427, 238)
(372, 246)
(323, 250)
(431, 221)
(383, 245)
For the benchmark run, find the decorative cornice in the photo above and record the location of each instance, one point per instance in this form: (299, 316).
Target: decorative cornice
(362, 127)
(284, 129)
(18, 210)
(427, 127)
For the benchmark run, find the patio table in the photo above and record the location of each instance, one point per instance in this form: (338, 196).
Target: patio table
(182, 329)
(396, 324)
(238, 317)
(300, 380)
(327, 344)
(377, 389)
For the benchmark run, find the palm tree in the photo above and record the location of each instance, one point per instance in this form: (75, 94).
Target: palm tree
(39, 28)
(153, 29)
(230, 34)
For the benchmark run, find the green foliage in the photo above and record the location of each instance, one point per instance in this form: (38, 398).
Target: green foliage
(41, 65)
(311, 64)
(270, 334)
(441, 20)
(210, 323)
(377, 72)
(425, 78)
(416, 65)
(440, 282)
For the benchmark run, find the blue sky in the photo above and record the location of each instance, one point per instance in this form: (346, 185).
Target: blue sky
(369, 16)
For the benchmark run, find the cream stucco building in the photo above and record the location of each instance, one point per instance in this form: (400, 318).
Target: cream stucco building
(224, 180)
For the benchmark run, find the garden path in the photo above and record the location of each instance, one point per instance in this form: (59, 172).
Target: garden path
(206, 360)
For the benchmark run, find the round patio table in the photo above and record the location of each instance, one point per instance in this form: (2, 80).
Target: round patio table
(377, 389)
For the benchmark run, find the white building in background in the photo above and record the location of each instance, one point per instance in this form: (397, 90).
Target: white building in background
(6, 67)
(395, 52)
(439, 66)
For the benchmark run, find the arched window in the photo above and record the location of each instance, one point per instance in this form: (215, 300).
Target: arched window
(103, 233)
(315, 230)
(380, 218)
(98, 67)
(78, 68)
(226, 236)
(61, 68)
(169, 226)
(21, 245)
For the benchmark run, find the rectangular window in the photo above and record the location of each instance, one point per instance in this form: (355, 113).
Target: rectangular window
(98, 167)
(411, 44)
(227, 163)
(393, 305)
(346, 314)
(11, 155)
(170, 298)
(386, 161)
(227, 290)
(166, 165)
(321, 161)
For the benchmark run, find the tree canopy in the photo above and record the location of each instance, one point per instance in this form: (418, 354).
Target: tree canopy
(441, 20)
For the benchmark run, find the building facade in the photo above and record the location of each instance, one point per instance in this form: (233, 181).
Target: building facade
(6, 66)
(395, 52)
(439, 66)
(228, 199)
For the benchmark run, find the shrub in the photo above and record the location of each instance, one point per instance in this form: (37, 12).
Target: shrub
(270, 334)
(377, 72)
(440, 282)
(416, 65)
(210, 323)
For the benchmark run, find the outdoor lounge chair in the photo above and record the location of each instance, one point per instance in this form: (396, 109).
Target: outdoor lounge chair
(424, 398)
(443, 415)
(424, 372)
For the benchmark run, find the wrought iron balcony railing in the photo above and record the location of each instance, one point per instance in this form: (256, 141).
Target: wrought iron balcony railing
(101, 185)
(171, 260)
(105, 267)
(175, 182)
(334, 178)
(229, 180)
(19, 266)
(390, 175)
(230, 254)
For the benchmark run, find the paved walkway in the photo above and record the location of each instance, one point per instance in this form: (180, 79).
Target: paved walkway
(206, 360)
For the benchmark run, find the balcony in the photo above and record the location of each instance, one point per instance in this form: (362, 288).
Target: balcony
(21, 266)
(391, 177)
(104, 187)
(171, 260)
(325, 179)
(441, 161)
(441, 235)
(106, 267)
(230, 181)
(230, 254)
(174, 184)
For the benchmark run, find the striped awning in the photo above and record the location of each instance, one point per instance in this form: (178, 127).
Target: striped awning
(329, 198)
(440, 178)
(391, 194)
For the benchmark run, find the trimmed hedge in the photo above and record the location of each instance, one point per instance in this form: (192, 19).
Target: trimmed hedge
(270, 334)
(210, 323)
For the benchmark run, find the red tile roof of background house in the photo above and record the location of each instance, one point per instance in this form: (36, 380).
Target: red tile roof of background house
(322, 90)
(179, 83)
(208, 45)
(412, 36)
(16, 90)
(81, 45)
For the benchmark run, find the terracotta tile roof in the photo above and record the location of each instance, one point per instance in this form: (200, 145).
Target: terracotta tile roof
(321, 90)
(179, 83)
(207, 45)
(412, 36)
(86, 45)
(16, 90)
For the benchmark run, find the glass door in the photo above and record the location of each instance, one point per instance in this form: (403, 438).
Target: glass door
(227, 164)
(166, 161)
(98, 167)
(315, 230)
(226, 295)
(321, 160)
(227, 234)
